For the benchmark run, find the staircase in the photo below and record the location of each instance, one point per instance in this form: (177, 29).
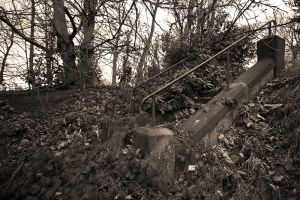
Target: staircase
(217, 115)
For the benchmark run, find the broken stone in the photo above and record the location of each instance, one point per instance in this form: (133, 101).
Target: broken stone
(146, 139)
(227, 158)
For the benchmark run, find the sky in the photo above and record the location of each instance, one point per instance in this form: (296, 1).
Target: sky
(268, 12)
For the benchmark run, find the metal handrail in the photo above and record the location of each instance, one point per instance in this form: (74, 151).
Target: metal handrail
(200, 65)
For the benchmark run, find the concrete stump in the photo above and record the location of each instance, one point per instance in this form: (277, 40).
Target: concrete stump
(272, 47)
(157, 144)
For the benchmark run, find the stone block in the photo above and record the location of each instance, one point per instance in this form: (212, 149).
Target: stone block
(157, 144)
(274, 48)
(146, 138)
(162, 158)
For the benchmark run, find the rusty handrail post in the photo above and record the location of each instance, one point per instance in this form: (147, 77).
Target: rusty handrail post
(153, 111)
(270, 28)
(274, 27)
(227, 70)
(271, 33)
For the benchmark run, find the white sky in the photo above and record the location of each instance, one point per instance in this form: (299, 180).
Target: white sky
(268, 12)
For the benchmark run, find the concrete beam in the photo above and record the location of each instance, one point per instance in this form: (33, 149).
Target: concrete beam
(257, 76)
(219, 114)
(208, 118)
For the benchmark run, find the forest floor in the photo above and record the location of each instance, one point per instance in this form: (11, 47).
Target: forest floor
(57, 153)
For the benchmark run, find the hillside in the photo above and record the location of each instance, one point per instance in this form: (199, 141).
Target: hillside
(60, 153)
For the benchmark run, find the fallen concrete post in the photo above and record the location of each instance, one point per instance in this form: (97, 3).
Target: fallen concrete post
(219, 114)
(257, 76)
(216, 115)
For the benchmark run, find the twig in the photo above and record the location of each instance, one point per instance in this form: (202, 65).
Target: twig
(12, 177)
(110, 183)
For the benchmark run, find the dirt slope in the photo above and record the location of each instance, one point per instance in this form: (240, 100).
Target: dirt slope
(59, 155)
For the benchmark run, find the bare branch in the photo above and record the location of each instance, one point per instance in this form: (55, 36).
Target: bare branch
(120, 27)
(22, 35)
(73, 34)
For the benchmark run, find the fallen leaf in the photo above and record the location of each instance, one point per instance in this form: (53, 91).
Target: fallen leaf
(219, 193)
(251, 104)
(129, 197)
(125, 151)
(221, 136)
(192, 168)
(61, 145)
(278, 178)
(227, 158)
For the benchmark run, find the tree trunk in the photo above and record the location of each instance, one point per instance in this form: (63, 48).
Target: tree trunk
(126, 69)
(87, 48)
(65, 44)
(31, 73)
(200, 19)
(139, 73)
(49, 58)
(188, 25)
(211, 23)
(49, 44)
(3, 63)
(178, 21)
(116, 53)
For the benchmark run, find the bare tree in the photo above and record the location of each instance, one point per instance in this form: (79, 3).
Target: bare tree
(62, 18)
(139, 73)
(116, 52)
(126, 73)
(7, 42)
(89, 12)
(31, 73)
(292, 39)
